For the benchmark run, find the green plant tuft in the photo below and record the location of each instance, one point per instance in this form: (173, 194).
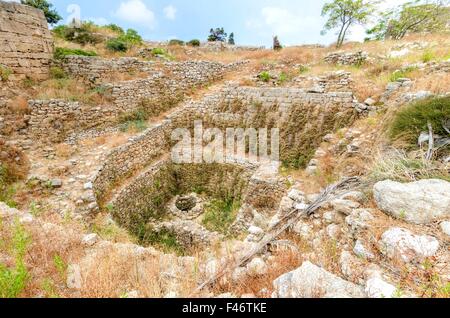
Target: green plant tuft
(413, 119)
(220, 215)
(61, 53)
(5, 73)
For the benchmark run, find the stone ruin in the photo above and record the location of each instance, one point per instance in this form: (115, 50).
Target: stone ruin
(347, 58)
(26, 43)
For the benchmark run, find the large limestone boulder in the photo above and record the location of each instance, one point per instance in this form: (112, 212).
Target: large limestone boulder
(311, 281)
(420, 202)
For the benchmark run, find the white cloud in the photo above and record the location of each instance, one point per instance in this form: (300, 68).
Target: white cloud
(170, 12)
(135, 11)
(287, 24)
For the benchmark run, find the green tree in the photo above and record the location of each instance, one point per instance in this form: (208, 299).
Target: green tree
(50, 14)
(343, 14)
(217, 35)
(411, 17)
(231, 39)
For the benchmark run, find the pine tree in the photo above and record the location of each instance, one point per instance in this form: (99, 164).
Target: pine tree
(231, 39)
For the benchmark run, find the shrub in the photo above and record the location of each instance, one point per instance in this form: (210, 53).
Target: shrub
(61, 53)
(131, 37)
(413, 119)
(82, 35)
(115, 28)
(5, 72)
(57, 72)
(194, 42)
(158, 51)
(116, 45)
(264, 76)
(176, 42)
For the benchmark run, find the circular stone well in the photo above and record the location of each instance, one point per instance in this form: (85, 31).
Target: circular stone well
(187, 207)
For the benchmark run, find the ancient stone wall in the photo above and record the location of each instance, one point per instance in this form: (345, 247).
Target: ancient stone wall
(157, 93)
(95, 71)
(26, 44)
(222, 46)
(53, 120)
(347, 58)
(174, 80)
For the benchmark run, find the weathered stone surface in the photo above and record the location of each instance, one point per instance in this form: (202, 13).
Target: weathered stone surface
(361, 251)
(420, 202)
(401, 243)
(310, 281)
(347, 58)
(445, 227)
(376, 287)
(26, 43)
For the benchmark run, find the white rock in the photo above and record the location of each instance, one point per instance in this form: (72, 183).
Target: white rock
(301, 206)
(420, 202)
(88, 186)
(361, 251)
(359, 219)
(90, 239)
(239, 274)
(257, 267)
(296, 195)
(311, 281)
(286, 205)
(334, 231)
(370, 102)
(398, 242)
(254, 230)
(303, 229)
(378, 288)
(74, 280)
(26, 219)
(329, 217)
(445, 227)
(344, 206)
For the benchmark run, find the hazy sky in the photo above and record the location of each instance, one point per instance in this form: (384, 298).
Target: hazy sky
(254, 22)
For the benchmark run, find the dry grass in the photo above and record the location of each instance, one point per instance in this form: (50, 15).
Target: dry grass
(19, 105)
(68, 89)
(435, 83)
(64, 151)
(262, 285)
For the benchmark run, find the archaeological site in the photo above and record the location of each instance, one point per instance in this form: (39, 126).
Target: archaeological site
(132, 167)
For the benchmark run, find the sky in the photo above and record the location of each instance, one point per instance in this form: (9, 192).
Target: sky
(254, 22)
